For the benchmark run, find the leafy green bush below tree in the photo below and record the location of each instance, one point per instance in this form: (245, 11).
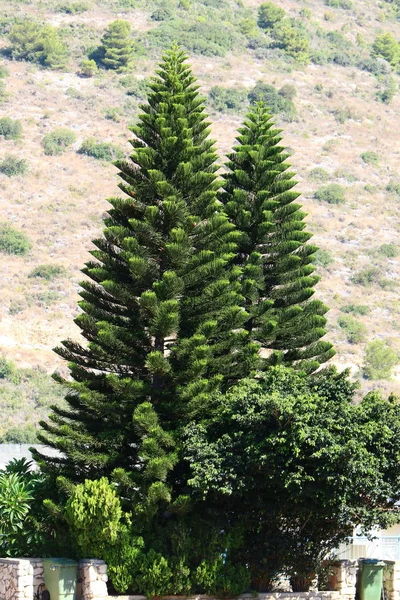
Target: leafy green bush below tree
(13, 241)
(100, 150)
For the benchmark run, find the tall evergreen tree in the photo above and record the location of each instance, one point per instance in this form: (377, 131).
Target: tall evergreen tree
(278, 271)
(117, 45)
(161, 306)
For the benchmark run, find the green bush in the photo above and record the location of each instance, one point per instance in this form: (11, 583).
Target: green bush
(379, 360)
(7, 368)
(198, 37)
(12, 165)
(20, 434)
(48, 272)
(370, 157)
(288, 91)
(88, 68)
(38, 43)
(56, 142)
(294, 40)
(332, 193)
(100, 150)
(227, 99)
(73, 8)
(388, 91)
(393, 187)
(388, 250)
(345, 4)
(367, 277)
(269, 15)
(4, 72)
(343, 114)
(13, 241)
(275, 102)
(220, 578)
(356, 309)
(355, 331)
(319, 174)
(322, 258)
(386, 46)
(10, 129)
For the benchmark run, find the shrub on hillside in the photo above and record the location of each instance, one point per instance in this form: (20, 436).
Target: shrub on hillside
(227, 99)
(393, 187)
(38, 43)
(380, 359)
(388, 250)
(13, 241)
(319, 174)
(7, 368)
(275, 101)
(332, 193)
(294, 40)
(345, 4)
(73, 8)
(48, 272)
(100, 150)
(288, 91)
(366, 277)
(322, 258)
(269, 14)
(386, 46)
(88, 68)
(56, 142)
(355, 331)
(370, 157)
(356, 309)
(10, 129)
(12, 165)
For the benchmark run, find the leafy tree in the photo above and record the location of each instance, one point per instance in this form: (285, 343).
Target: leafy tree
(117, 46)
(88, 68)
(293, 40)
(277, 262)
(379, 360)
(38, 43)
(56, 142)
(160, 309)
(386, 46)
(269, 14)
(293, 465)
(10, 129)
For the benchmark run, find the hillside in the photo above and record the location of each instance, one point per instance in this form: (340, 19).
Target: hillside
(341, 130)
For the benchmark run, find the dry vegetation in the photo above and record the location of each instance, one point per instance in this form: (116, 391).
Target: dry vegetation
(60, 202)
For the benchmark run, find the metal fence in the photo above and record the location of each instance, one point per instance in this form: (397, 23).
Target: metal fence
(384, 547)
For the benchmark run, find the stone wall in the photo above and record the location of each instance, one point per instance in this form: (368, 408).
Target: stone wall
(391, 580)
(22, 579)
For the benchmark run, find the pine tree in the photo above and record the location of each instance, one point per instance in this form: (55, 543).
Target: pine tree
(161, 306)
(117, 45)
(277, 261)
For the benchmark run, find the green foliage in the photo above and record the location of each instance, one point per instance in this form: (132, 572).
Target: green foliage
(15, 498)
(205, 38)
(48, 272)
(370, 157)
(380, 359)
(117, 46)
(269, 15)
(356, 309)
(271, 459)
(389, 250)
(7, 368)
(100, 150)
(355, 331)
(388, 91)
(227, 99)
(393, 187)
(288, 91)
(294, 40)
(343, 114)
(345, 4)
(323, 258)
(277, 103)
(56, 142)
(10, 129)
(386, 46)
(12, 165)
(73, 8)
(13, 241)
(367, 277)
(88, 68)
(276, 284)
(38, 43)
(19, 434)
(220, 578)
(332, 193)
(95, 517)
(319, 174)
